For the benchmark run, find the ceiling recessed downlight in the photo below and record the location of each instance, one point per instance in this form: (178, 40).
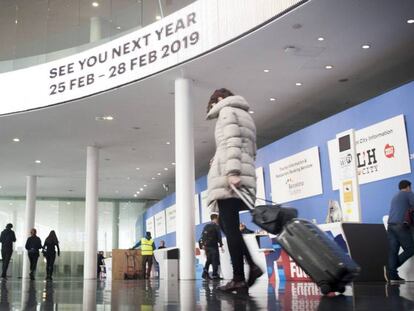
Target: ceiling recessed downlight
(157, 17)
(328, 67)
(410, 21)
(251, 111)
(266, 70)
(173, 163)
(165, 168)
(104, 118)
(159, 174)
(141, 189)
(272, 99)
(366, 46)
(38, 161)
(153, 178)
(321, 39)
(135, 195)
(137, 168)
(118, 27)
(298, 83)
(16, 140)
(168, 143)
(145, 186)
(95, 4)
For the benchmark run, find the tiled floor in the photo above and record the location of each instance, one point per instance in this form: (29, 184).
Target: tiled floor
(195, 295)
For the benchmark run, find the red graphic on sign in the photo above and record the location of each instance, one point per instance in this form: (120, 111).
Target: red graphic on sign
(292, 271)
(389, 151)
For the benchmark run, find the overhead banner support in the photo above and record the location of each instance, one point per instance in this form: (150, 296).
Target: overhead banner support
(348, 177)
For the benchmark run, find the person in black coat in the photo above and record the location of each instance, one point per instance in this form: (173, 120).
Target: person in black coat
(49, 251)
(7, 238)
(33, 244)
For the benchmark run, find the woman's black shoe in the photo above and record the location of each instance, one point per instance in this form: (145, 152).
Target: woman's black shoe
(239, 287)
(255, 273)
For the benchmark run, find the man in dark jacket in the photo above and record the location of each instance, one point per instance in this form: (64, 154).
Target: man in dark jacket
(209, 241)
(33, 244)
(7, 238)
(399, 233)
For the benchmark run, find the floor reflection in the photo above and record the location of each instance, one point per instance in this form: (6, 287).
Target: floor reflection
(196, 295)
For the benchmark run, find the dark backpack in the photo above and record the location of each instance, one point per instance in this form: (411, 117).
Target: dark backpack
(208, 236)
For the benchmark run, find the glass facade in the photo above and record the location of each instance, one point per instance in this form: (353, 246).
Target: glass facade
(67, 218)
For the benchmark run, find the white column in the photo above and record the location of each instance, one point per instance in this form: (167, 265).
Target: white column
(95, 32)
(29, 218)
(115, 226)
(184, 177)
(91, 214)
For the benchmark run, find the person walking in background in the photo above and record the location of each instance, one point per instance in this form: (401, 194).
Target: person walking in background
(244, 229)
(49, 251)
(162, 244)
(209, 241)
(7, 238)
(100, 264)
(33, 244)
(399, 232)
(232, 164)
(147, 250)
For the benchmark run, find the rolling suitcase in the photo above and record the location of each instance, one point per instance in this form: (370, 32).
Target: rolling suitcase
(318, 255)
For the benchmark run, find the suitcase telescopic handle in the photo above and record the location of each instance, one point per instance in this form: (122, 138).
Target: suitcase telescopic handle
(248, 200)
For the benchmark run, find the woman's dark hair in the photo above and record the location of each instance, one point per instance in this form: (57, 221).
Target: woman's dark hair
(52, 238)
(223, 93)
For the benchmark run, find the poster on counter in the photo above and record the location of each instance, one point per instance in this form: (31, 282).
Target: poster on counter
(159, 224)
(150, 226)
(196, 209)
(205, 211)
(381, 152)
(296, 177)
(170, 216)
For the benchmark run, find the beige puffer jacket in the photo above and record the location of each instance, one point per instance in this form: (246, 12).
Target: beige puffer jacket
(235, 136)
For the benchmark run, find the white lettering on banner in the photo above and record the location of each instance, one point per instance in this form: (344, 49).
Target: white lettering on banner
(192, 31)
(296, 271)
(296, 177)
(381, 152)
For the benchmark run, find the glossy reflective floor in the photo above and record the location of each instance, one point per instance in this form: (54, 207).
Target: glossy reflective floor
(196, 295)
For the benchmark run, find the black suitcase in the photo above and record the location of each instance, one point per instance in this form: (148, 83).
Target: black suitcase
(318, 255)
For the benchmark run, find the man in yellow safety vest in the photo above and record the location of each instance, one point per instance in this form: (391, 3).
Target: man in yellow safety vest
(147, 250)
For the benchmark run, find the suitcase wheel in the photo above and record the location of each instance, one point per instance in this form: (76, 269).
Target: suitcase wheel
(341, 289)
(325, 288)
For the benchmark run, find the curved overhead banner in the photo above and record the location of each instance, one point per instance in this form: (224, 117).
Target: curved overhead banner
(179, 37)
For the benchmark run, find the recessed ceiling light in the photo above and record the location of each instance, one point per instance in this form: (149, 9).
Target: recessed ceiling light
(159, 174)
(298, 84)
(38, 161)
(328, 67)
(321, 38)
(16, 140)
(165, 168)
(16, 21)
(153, 178)
(251, 111)
(95, 4)
(68, 203)
(266, 70)
(168, 143)
(366, 46)
(137, 168)
(157, 17)
(173, 163)
(141, 189)
(104, 118)
(272, 99)
(145, 186)
(118, 27)
(135, 195)
(410, 21)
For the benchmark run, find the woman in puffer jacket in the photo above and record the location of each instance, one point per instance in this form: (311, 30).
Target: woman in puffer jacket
(233, 163)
